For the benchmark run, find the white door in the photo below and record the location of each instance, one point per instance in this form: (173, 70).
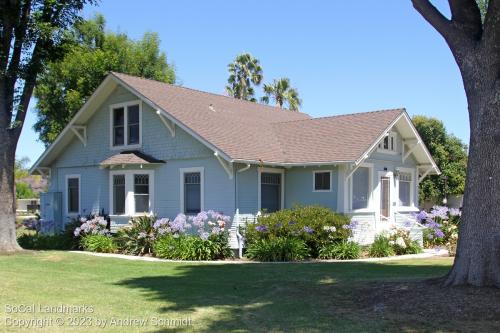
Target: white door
(385, 197)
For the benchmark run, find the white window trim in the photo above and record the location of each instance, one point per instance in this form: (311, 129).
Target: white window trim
(381, 149)
(259, 178)
(370, 208)
(182, 171)
(125, 106)
(129, 191)
(78, 176)
(314, 180)
(412, 189)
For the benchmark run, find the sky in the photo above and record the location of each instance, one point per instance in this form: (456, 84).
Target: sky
(342, 56)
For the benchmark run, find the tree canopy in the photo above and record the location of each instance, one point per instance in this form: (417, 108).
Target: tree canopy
(450, 154)
(90, 53)
(244, 72)
(283, 94)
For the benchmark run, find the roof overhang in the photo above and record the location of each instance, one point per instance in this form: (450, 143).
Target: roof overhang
(90, 107)
(409, 133)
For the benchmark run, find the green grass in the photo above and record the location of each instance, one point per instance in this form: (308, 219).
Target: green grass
(216, 297)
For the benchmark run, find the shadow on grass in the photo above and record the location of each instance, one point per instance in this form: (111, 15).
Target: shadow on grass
(298, 297)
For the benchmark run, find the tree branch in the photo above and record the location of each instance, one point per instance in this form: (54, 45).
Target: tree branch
(435, 18)
(466, 16)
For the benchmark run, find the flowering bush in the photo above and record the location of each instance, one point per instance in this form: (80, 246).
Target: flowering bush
(209, 240)
(401, 242)
(94, 226)
(138, 236)
(441, 227)
(315, 226)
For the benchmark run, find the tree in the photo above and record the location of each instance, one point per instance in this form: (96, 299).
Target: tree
(450, 154)
(282, 94)
(475, 45)
(32, 33)
(91, 53)
(244, 72)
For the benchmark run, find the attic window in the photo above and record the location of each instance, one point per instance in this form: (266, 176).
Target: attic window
(389, 143)
(126, 125)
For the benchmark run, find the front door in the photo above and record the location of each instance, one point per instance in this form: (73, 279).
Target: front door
(385, 198)
(270, 191)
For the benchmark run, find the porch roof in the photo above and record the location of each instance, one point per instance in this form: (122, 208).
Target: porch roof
(131, 157)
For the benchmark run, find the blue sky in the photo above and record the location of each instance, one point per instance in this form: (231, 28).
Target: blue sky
(342, 56)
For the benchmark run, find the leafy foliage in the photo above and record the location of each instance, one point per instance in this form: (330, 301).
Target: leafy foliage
(340, 250)
(39, 241)
(278, 249)
(191, 247)
(138, 236)
(90, 53)
(98, 243)
(283, 94)
(381, 247)
(24, 191)
(441, 227)
(402, 243)
(450, 154)
(244, 72)
(315, 225)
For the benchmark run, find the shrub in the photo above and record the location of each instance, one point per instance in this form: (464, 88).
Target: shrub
(402, 243)
(441, 227)
(210, 241)
(98, 243)
(138, 236)
(45, 242)
(278, 249)
(340, 250)
(381, 247)
(316, 226)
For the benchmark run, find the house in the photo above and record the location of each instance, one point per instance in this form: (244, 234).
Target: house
(140, 146)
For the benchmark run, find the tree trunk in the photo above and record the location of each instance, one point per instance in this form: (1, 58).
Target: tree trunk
(8, 241)
(477, 261)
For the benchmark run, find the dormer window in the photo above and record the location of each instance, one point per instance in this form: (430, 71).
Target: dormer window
(126, 125)
(389, 143)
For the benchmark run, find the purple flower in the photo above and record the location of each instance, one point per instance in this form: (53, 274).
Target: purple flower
(308, 230)
(204, 235)
(261, 228)
(439, 233)
(421, 216)
(440, 211)
(292, 223)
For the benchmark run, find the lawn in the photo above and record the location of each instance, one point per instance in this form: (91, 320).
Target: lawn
(243, 297)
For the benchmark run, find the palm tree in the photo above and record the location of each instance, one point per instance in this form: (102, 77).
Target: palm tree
(243, 72)
(282, 93)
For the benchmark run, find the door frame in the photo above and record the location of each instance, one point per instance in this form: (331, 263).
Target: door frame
(378, 195)
(259, 189)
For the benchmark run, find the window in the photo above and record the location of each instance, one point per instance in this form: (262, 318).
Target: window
(360, 188)
(270, 192)
(141, 193)
(389, 143)
(131, 192)
(126, 125)
(405, 181)
(192, 192)
(73, 194)
(133, 125)
(119, 194)
(322, 181)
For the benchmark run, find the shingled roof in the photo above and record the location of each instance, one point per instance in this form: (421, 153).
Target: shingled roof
(247, 131)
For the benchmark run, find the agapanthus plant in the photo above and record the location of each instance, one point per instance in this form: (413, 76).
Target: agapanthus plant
(441, 226)
(93, 226)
